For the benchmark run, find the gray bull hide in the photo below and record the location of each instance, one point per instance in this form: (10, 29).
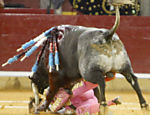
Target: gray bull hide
(91, 53)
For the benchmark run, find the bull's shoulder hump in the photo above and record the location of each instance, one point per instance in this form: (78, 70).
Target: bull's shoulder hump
(89, 30)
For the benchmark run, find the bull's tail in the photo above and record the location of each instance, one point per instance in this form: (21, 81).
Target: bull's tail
(117, 22)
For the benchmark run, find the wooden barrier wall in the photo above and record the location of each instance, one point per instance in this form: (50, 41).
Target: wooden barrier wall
(16, 29)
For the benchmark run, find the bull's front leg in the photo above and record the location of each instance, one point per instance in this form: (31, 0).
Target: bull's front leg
(49, 97)
(37, 98)
(53, 89)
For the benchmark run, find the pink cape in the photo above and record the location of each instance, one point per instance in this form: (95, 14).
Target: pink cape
(84, 99)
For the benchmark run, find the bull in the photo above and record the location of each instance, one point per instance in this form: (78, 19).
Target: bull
(91, 53)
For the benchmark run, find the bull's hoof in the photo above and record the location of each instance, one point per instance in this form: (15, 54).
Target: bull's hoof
(32, 106)
(144, 106)
(43, 106)
(36, 112)
(146, 110)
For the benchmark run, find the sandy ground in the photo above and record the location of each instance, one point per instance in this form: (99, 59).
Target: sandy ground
(16, 103)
